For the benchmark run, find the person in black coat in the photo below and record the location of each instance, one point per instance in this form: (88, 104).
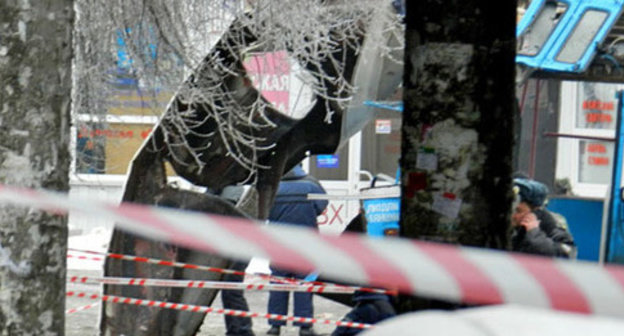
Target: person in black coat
(369, 308)
(536, 230)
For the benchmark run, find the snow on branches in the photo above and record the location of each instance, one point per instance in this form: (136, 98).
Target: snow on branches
(152, 45)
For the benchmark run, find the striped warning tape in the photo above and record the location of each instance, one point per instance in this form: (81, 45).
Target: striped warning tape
(444, 272)
(279, 279)
(206, 309)
(310, 288)
(71, 256)
(179, 265)
(85, 307)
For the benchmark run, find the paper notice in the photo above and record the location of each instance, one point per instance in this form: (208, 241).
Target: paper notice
(426, 161)
(446, 204)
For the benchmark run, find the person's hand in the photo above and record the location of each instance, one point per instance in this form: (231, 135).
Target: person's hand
(529, 221)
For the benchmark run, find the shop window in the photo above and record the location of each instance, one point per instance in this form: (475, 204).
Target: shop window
(90, 158)
(596, 106)
(595, 162)
(381, 145)
(106, 144)
(588, 110)
(128, 108)
(108, 148)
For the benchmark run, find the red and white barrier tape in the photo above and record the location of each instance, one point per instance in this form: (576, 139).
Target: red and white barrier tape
(78, 309)
(206, 309)
(180, 265)
(458, 274)
(279, 279)
(213, 284)
(71, 256)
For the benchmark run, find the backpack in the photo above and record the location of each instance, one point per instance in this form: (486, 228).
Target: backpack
(561, 222)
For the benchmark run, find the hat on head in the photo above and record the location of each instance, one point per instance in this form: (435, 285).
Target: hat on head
(532, 192)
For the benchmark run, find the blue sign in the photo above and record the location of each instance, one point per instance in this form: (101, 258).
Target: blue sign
(327, 161)
(382, 215)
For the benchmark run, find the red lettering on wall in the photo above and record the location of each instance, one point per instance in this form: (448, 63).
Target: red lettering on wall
(598, 161)
(596, 148)
(598, 118)
(326, 219)
(598, 105)
(90, 133)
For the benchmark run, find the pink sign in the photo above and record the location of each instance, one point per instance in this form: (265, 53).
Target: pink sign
(270, 73)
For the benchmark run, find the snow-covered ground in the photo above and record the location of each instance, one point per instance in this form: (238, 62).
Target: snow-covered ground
(85, 322)
(96, 240)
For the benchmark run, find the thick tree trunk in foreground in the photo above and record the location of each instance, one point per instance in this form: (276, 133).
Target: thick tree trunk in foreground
(35, 90)
(458, 122)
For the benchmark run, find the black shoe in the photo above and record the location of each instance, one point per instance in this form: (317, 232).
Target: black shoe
(274, 330)
(307, 332)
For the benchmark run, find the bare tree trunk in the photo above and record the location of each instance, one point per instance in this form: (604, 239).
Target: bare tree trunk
(35, 89)
(458, 122)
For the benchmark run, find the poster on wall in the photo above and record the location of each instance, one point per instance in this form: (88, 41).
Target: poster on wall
(596, 106)
(270, 73)
(595, 160)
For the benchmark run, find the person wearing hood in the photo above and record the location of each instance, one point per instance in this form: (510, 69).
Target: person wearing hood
(536, 230)
(293, 207)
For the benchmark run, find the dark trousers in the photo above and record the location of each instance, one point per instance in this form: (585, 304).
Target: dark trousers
(278, 302)
(367, 311)
(234, 299)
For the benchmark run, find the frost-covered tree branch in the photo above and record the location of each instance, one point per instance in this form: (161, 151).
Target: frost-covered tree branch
(156, 42)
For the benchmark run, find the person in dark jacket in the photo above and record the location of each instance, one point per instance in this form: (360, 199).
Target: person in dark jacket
(369, 308)
(535, 229)
(292, 207)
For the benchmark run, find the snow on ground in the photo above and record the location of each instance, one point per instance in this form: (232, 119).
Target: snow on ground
(96, 240)
(85, 322)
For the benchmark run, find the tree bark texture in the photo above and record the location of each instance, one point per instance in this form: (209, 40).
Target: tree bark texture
(35, 91)
(458, 121)
(458, 124)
